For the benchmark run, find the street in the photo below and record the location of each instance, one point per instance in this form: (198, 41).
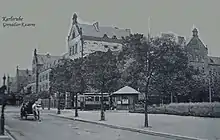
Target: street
(51, 128)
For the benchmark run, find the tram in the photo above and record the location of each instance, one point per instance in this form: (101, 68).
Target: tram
(92, 101)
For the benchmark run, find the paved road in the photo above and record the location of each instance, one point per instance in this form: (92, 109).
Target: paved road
(51, 128)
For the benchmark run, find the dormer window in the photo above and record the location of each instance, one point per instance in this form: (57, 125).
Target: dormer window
(115, 47)
(114, 37)
(105, 36)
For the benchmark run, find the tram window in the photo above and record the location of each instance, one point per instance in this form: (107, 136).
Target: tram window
(96, 98)
(105, 98)
(89, 98)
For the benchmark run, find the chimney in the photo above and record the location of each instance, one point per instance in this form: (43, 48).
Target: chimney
(48, 55)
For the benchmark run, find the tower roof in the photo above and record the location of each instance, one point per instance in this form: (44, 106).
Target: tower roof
(195, 32)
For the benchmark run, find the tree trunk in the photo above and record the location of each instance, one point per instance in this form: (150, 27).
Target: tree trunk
(102, 108)
(49, 98)
(58, 106)
(146, 108)
(171, 97)
(76, 105)
(49, 103)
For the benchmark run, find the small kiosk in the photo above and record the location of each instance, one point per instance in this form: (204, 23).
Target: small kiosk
(125, 98)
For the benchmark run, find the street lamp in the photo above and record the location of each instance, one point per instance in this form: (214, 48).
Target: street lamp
(3, 107)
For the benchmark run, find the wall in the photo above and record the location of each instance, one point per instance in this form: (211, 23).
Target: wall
(91, 46)
(44, 80)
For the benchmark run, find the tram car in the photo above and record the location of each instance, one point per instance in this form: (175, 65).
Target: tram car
(92, 101)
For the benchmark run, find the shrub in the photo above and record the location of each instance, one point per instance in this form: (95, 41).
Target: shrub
(186, 109)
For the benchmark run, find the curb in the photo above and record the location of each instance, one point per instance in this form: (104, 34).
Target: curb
(148, 132)
(9, 133)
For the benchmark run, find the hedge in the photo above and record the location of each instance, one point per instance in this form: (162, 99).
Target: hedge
(184, 109)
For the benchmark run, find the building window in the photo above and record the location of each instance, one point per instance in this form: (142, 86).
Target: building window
(72, 50)
(46, 86)
(76, 48)
(203, 69)
(115, 47)
(73, 35)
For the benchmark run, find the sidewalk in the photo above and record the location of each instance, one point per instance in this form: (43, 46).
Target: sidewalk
(204, 128)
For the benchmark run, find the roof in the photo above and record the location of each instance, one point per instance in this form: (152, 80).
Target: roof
(90, 30)
(127, 90)
(65, 55)
(214, 60)
(24, 72)
(45, 58)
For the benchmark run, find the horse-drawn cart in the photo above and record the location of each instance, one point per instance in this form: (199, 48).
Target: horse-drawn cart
(27, 110)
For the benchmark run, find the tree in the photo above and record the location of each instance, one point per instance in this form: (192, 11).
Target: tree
(61, 78)
(103, 73)
(149, 59)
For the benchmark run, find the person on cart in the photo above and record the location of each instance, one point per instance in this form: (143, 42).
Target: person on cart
(35, 109)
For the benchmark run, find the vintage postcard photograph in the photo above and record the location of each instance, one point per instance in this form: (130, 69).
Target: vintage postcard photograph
(109, 69)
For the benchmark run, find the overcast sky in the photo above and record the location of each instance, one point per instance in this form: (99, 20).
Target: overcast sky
(53, 18)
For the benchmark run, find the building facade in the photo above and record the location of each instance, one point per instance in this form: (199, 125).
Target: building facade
(199, 58)
(95, 38)
(44, 64)
(23, 77)
(197, 53)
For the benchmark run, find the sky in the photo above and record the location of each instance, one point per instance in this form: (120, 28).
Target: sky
(52, 19)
